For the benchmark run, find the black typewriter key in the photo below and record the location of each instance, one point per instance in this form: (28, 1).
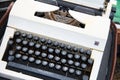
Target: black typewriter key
(49, 41)
(37, 45)
(69, 47)
(42, 40)
(36, 38)
(83, 65)
(50, 50)
(29, 36)
(18, 48)
(18, 40)
(43, 55)
(65, 68)
(50, 56)
(17, 33)
(62, 45)
(38, 61)
(70, 62)
(24, 42)
(24, 49)
(90, 61)
(77, 64)
(24, 57)
(37, 53)
(31, 59)
(44, 63)
(58, 67)
(83, 58)
(55, 43)
(71, 70)
(51, 65)
(44, 47)
(23, 35)
(18, 56)
(77, 56)
(57, 58)
(30, 51)
(57, 51)
(11, 52)
(70, 56)
(11, 58)
(88, 52)
(63, 53)
(75, 49)
(31, 44)
(63, 61)
(85, 77)
(78, 72)
(10, 42)
(81, 50)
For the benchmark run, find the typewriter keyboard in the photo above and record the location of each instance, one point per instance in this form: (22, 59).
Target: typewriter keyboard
(46, 58)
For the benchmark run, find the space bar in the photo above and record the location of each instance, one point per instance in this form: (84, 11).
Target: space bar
(38, 71)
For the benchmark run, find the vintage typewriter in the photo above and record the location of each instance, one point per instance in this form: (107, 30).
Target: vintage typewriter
(57, 40)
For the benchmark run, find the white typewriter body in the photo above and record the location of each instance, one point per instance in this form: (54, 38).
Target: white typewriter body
(22, 18)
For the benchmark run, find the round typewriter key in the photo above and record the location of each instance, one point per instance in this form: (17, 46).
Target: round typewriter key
(51, 65)
(62, 45)
(30, 51)
(49, 41)
(83, 58)
(50, 56)
(70, 62)
(37, 61)
(57, 58)
(17, 33)
(29, 36)
(24, 57)
(57, 51)
(23, 35)
(88, 52)
(50, 50)
(18, 56)
(81, 50)
(37, 45)
(11, 52)
(31, 59)
(36, 38)
(76, 56)
(43, 55)
(55, 43)
(37, 53)
(85, 77)
(90, 61)
(10, 42)
(63, 61)
(75, 49)
(18, 48)
(83, 65)
(71, 70)
(42, 40)
(78, 72)
(65, 68)
(24, 49)
(63, 53)
(70, 56)
(24, 42)
(44, 47)
(18, 40)
(77, 64)
(31, 44)
(58, 67)
(44, 63)
(68, 47)
(11, 58)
